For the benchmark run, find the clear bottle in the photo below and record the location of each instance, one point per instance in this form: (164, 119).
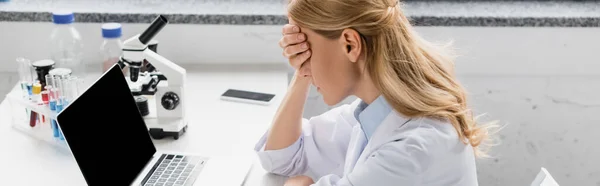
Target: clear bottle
(66, 44)
(112, 47)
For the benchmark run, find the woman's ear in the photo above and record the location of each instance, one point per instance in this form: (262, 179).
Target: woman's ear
(351, 42)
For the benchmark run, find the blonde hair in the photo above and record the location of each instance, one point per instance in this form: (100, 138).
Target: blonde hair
(416, 77)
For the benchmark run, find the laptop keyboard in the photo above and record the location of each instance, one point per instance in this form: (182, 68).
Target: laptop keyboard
(176, 170)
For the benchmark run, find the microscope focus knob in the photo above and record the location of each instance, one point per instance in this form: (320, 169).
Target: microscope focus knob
(170, 100)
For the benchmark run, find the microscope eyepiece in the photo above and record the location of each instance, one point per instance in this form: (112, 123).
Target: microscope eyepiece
(153, 29)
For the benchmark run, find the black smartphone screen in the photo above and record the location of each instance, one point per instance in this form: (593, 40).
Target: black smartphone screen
(248, 95)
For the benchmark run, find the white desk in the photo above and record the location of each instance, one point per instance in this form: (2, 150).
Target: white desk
(216, 128)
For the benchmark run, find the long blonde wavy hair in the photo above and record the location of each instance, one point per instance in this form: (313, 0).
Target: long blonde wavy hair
(416, 77)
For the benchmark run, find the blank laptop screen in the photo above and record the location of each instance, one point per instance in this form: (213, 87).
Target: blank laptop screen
(106, 133)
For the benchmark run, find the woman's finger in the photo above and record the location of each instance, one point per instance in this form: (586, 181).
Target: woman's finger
(292, 50)
(290, 29)
(297, 60)
(292, 39)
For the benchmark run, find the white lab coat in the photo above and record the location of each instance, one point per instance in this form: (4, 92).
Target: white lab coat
(333, 150)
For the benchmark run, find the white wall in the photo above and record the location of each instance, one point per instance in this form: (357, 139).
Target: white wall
(540, 82)
(183, 44)
(484, 50)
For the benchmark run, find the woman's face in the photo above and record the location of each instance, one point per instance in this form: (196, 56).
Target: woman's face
(333, 73)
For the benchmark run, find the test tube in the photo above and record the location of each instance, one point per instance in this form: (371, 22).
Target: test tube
(73, 84)
(48, 94)
(36, 98)
(67, 92)
(25, 71)
(52, 88)
(64, 99)
(76, 86)
(58, 94)
(49, 83)
(45, 103)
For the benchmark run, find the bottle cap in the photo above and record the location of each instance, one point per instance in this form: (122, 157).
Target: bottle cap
(111, 30)
(63, 17)
(43, 63)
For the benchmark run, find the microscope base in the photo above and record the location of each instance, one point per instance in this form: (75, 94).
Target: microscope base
(161, 128)
(158, 133)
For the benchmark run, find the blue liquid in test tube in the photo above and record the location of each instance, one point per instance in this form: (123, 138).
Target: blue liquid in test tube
(57, 133)
(53, 107)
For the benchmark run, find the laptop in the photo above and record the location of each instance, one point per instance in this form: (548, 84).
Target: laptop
(109, 140)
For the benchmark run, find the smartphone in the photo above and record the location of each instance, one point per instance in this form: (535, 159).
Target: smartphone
(247, 96)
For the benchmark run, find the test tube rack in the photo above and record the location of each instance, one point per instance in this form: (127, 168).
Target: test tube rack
(21, 108)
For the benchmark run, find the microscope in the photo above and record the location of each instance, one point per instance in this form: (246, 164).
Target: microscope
(167, 85)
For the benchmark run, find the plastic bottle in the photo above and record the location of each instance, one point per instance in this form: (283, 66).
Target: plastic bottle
(112, 47)
(66, 44)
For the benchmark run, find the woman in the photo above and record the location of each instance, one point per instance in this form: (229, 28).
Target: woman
(411, 125)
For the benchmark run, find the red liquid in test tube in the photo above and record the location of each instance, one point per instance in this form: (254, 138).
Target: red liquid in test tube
(37, 89)
(45, 100)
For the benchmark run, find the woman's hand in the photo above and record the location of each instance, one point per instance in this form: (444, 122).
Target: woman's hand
(299, 181)
(296, 49)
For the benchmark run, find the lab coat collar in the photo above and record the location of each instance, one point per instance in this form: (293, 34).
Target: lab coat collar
(390, 129)
(371, 116)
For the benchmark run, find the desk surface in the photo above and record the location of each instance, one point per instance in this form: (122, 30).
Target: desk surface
(216, 128)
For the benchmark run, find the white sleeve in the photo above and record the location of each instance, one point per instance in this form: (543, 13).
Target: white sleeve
(320, 150)
(395, 163)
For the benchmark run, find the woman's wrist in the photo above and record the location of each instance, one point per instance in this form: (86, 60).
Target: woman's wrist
(287, 124)
(300, 82)
(299, 181)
